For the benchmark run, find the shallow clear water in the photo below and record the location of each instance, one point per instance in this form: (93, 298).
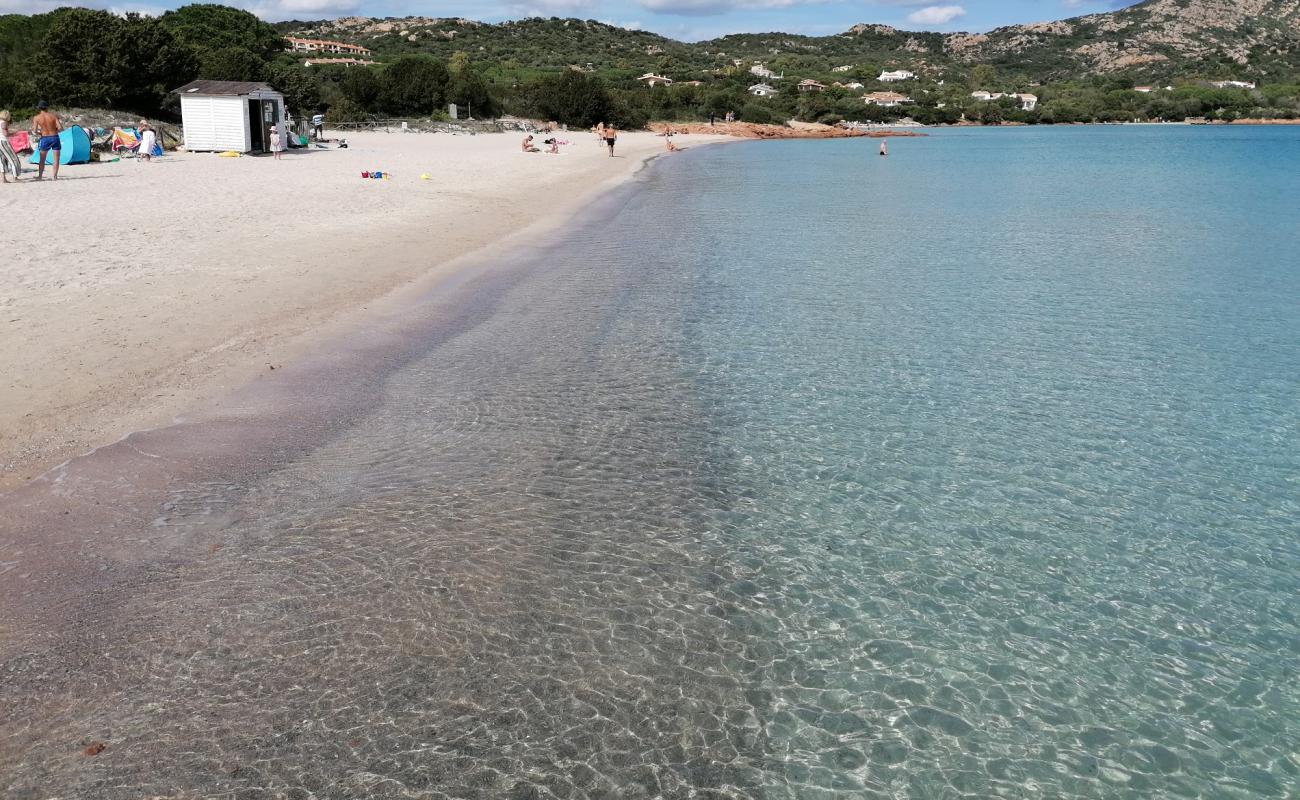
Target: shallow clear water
(969, 472)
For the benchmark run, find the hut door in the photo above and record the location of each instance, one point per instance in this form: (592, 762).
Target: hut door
(256, 130)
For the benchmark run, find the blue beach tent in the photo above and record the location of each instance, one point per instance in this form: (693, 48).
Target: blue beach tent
(76, 147)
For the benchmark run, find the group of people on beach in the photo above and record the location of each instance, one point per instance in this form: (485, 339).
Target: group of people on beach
(46, 128)
(606, 136)
(552, 143)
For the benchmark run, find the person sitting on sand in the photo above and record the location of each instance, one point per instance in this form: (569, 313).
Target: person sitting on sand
(47, 127)
(9, 163)
(527, 145)
(148, 138)
(555, 146)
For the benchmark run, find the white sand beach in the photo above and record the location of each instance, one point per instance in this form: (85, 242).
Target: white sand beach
(130, 292)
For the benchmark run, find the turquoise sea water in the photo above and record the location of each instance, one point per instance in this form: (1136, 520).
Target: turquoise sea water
(969, 472)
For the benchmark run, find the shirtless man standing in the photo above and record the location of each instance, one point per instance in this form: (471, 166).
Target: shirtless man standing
(47, 127)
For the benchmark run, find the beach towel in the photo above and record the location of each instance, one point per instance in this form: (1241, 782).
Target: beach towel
(20, 141)
(125, 139)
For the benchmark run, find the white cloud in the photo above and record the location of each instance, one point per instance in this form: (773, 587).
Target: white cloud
(550, 8)
(705, 8)
(936, 15)
(300, 9)
(1073, 3)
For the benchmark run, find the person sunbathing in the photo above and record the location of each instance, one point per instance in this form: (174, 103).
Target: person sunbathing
(527, 145)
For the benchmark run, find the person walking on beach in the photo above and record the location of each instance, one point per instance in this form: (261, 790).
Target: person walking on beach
(148, 139)
(318, 126)
(611, 136)
(9, 163)
(600, 134)
(47, 127)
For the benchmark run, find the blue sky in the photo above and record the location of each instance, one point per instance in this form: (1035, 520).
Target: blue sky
(689, 20)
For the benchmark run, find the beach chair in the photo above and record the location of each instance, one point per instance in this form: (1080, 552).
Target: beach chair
(125, 140)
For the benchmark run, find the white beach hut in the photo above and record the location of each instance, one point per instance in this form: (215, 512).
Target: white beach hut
(230, 115)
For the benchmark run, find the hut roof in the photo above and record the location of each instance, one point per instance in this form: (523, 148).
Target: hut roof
(225, 88)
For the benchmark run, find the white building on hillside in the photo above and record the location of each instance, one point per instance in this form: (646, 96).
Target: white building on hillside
(843, 68)
(896, 75)
(886, 99)
(323, 46)
(762, 71)
(651, 79)
(762, 90)
(1028, 102)
(1232, 85)
(810, 85)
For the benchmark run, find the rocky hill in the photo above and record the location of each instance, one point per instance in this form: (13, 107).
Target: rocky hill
(1257, 36)
(1155, 40)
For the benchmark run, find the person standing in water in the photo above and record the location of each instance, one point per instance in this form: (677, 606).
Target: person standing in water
(611, 136)
(884, 151)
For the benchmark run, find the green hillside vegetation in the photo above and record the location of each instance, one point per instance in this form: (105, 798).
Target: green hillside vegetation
(581, 71)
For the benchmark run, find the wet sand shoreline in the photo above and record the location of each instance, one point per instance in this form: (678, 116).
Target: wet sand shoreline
(168, 284)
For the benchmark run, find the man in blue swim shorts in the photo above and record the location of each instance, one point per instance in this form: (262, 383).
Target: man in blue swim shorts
(47, 127)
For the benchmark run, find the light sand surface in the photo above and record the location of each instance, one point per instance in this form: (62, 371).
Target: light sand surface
(132, 291)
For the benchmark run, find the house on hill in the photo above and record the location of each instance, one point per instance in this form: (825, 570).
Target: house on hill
(651, 79)
(762, 90)
(301, 45)
(810, 85)
(843, 68)
(896, 75)
(338, 62)
(1233, 84)
(762, 72)
(886, 99)
(1028, 102)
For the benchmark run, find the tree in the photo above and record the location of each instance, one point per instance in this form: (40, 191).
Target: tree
(572, 98)
(469, 92)
(458, 62)
(982, 76)
(301, 91)
(207, 27)
(232, 64)
(94, 58)
(413, 85)
(361, 86)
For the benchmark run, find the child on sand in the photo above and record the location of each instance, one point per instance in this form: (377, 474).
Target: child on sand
(277, 144)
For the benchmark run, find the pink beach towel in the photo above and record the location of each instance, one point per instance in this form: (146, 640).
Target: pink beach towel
(20, 141)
